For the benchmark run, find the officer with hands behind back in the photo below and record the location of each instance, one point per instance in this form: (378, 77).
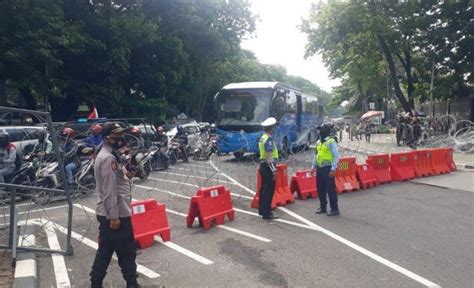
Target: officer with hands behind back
(113, 210)
(325, 163)
(268, 171)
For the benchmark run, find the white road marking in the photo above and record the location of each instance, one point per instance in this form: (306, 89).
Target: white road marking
(140, 268)
(193, 170)
(25, 268)
(59, 265)
(344, 241)
(198, 177)
(244, 233)
(223, 226)
(168, 244)
(184, 251)
(37, 210)
(200, 166)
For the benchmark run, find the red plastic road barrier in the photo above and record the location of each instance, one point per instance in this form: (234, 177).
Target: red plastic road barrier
(423, 163)
(346, 179)
(366, 176)
(210, 205)
(381, 165)
(449, 159)
(304, 184)
(439, 160)
(401, 166)
(149, 219)
(282, 194)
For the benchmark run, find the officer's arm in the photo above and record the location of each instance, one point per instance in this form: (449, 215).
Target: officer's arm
(11, 156)
(269, 155)
(109, 182)
(335, 155)
(313, 162)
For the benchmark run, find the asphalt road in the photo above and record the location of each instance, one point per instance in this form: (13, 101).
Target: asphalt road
(408, 234)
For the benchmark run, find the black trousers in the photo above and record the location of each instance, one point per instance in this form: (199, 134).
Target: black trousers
(326, 186)
(120, 241)
(266, 191)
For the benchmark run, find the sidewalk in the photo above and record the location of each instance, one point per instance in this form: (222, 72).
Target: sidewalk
(386, 143)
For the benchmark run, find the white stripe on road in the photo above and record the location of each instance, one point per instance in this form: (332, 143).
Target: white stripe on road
(199, 177)
(238, 231)
(223, 226)
(37, 210)
(200, 166)
(25, 268)
(59, 265)
(344, 241)
(193, 170)
(140, 268)
(168, 244)
(184, 251)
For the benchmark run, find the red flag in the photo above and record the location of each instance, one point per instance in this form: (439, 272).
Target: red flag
(94, 114)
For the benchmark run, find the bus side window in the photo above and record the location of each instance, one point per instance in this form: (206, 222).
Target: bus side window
(279, 106)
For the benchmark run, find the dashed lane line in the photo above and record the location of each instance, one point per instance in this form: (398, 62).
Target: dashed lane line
(197, 177)
(59, 265)
(342, 240)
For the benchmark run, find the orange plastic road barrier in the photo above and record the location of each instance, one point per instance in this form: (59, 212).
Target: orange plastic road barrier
(381, 165)
(304, 184)
(422, 160)
(366, 176)
(282, 194)
(149, 219)
(439, 160)
(401, 166)
(346, 179)
(210, 205)
(449, 159)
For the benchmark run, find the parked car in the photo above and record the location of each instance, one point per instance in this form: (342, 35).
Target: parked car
(22, 136)
(192, 129)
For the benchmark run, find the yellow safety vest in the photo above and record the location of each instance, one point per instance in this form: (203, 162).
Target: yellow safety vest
(324, 155)
(261, 148)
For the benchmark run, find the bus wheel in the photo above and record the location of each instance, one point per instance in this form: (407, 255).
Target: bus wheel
(238, 155)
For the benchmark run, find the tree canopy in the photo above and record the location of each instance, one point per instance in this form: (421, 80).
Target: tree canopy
(152, 58)
(366, 42)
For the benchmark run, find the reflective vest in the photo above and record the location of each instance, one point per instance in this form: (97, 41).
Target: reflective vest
(261, 148)
(324, 155)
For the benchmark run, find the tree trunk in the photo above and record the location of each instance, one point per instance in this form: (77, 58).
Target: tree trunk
(393, 74)
(29, 98)
(409, 74)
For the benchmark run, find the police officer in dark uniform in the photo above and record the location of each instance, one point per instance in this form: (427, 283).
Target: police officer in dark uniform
(113, 210)
(325, 162)
(268, 155)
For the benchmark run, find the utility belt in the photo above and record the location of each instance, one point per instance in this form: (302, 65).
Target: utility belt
(324, 164)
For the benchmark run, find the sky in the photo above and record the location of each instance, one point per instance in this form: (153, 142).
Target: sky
(277, 40)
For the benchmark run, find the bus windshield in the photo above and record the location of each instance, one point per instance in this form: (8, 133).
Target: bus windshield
(243, 106)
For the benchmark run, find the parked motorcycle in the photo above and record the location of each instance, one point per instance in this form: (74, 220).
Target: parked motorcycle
(160, 158)
(139, 163)
(203, 149)
(177, 148)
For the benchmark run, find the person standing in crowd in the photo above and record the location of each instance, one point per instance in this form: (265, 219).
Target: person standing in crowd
(367, 132)
(325, 163)
(9, 156)
(70, 155)
(113, 210)
(268, 171)
(95, 139)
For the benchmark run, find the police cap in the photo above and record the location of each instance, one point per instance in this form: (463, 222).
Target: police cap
(269, 122)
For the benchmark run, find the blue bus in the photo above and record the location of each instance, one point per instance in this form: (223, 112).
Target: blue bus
(242, 107)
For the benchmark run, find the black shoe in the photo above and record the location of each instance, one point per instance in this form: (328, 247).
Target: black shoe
(321, 211)
(270, 217)
(333, 213)
(133, 285)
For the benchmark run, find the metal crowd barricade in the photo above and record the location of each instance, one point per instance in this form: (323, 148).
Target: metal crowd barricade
(12, 235)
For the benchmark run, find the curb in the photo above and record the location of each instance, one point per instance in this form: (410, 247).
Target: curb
(462, 166)
(26, 271)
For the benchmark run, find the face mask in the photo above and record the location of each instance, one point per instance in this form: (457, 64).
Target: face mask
(117, 142)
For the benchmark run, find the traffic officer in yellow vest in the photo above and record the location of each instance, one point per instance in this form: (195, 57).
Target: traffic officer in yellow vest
(325, 163)
(268, 155)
